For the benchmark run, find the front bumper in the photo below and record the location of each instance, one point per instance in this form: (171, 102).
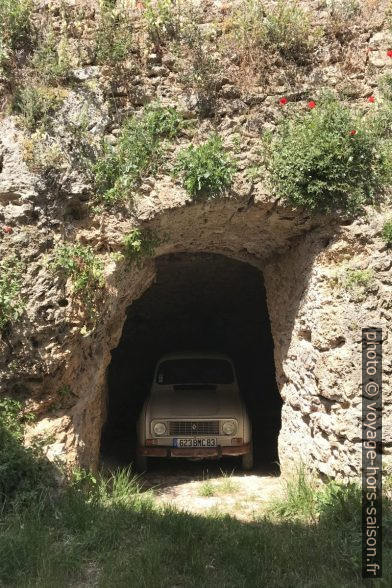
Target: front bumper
(200, 452)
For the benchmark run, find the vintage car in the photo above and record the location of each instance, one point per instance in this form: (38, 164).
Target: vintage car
(194, 410)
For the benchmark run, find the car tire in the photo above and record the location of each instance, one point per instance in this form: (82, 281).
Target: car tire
(141, 463)
(247, 460)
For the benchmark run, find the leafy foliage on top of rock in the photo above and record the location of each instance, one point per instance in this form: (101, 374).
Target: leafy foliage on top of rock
(138, 152)
(206, 169)
(329, 160)
(11, 301)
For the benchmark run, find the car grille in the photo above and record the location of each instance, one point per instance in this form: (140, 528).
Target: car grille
(194, 428)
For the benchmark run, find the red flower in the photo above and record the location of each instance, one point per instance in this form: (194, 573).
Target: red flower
(353, 132)
(7, 229)
(371, 99)
(283, 101)
(311, 104)
(389, 53)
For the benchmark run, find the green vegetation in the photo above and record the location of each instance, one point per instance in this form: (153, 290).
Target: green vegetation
(139, 244)
(21, 469)
(342, 15)
(137, 154)
(206, 170)
(84, 268)
(207, 489)
(50, 62)
(387, 233)
(357, 278)
(97, 529)
(385, 85)
(162, 20)
(224, 485)
(284, 28)
(15, 29)
(328, 160)
(114, 40)
(11, 300)
(37, 105)
(300, 500)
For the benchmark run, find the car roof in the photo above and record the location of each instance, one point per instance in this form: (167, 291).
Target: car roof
(194, 355)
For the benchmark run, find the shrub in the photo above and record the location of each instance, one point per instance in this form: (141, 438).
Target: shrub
(37, 104)
(81, 265)
(120, 169)
(162, 18)
(387, 233)
(11, 300)
(201, 69)
(284, 28)
(342, 13)
(21, 469)
(385, 84)
(328, 161)
(207, 169)
(139, 244)
(287, 29)
(15, 28)
(114, 39)
(50, 62)
(356, 278)
(43, 154)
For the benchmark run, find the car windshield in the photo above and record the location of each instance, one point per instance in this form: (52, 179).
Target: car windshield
(195, 371)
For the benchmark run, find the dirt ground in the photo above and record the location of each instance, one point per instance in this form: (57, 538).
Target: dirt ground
(241, 496)
(209, 486)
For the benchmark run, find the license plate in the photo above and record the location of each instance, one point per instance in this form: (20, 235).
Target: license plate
(195, 442)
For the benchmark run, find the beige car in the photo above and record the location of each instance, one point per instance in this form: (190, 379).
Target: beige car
(195, 411)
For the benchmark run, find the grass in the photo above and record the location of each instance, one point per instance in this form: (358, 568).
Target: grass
(300, 499)
(11, 299)
(223, 486)
(207, 489)
(108, 532)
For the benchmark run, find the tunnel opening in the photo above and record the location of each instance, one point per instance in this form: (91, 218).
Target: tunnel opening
(198, 302)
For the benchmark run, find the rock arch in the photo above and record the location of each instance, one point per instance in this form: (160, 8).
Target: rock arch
(312, 346)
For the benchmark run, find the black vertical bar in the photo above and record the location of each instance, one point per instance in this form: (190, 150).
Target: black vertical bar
(372, 453)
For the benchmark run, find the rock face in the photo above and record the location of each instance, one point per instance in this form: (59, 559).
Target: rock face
(60, 368)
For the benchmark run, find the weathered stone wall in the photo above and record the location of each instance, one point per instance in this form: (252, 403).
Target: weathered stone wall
(317, 325)
(316, 321)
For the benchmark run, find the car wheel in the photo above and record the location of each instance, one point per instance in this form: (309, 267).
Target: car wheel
(141, 463)
(247, 460)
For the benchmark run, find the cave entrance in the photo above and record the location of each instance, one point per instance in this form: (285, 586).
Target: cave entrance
(198, 302)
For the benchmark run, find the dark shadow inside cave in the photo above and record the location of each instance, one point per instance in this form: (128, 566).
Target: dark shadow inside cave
(198, 302)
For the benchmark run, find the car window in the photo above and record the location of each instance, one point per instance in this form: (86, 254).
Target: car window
(195, 371)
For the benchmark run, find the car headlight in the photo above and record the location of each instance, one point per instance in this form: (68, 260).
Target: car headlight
(159, 428)
(229, 427)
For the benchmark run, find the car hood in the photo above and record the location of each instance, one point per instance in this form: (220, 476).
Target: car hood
(194, 403)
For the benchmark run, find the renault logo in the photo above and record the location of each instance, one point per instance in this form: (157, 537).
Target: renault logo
(194, 427)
